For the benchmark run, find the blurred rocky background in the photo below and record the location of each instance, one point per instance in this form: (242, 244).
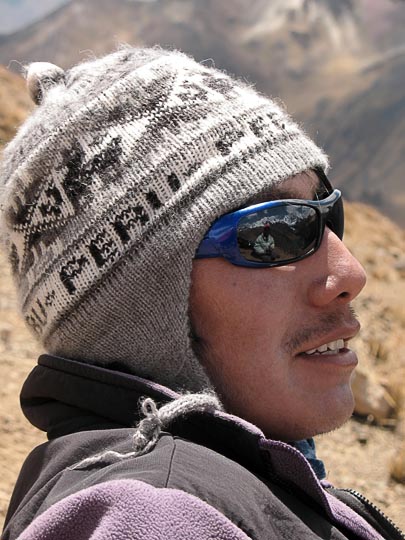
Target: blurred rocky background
(339, 67)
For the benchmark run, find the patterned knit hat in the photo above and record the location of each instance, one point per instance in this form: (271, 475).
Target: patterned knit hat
(108, 189)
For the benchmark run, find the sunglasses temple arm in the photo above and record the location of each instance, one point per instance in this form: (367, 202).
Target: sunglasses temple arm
(207, 248)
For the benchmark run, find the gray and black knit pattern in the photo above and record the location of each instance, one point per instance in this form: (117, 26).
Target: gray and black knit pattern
(109, 187)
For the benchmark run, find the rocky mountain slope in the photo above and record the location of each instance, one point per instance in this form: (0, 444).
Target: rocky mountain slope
(275, 44)
(339, 65)
(365, 135)
(278, 44)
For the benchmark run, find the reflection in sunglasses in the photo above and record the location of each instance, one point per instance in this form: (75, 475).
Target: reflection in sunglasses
(278, 233)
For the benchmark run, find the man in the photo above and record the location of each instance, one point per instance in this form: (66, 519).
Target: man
(125, 196)
(264, 243)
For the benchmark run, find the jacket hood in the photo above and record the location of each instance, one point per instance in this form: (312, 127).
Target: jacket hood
(62, 396)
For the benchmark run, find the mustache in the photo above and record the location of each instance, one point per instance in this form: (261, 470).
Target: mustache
(323, 326)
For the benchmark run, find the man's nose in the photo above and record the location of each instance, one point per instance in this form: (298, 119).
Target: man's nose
(339, 275)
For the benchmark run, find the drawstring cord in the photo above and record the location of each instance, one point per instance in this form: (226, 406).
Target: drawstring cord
(148, 429)
(155, 420)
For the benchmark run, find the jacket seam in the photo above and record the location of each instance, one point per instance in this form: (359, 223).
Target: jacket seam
(170, 464)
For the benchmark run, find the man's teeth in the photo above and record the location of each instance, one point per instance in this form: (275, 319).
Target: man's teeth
(331, 348)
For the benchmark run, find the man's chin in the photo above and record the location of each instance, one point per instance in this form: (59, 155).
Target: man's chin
(332, 415)
(334, 421)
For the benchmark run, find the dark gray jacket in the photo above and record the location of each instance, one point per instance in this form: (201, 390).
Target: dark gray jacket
(212, 476)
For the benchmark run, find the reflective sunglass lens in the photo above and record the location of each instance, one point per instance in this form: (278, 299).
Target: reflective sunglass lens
(278, 234)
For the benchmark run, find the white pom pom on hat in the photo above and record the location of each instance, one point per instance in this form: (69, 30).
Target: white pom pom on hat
(41, 76)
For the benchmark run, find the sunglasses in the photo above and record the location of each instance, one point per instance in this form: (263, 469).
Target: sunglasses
(273, 233)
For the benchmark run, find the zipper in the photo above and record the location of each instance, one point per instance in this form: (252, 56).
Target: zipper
(377, 511)
(388, 525)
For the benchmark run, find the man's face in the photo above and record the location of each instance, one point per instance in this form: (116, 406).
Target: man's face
(256, 326)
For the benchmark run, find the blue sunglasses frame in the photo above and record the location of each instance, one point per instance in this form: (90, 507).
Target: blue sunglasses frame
(221, 240)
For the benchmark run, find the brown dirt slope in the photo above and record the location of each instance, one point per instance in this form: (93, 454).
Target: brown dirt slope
(361, 453)
(14, 103)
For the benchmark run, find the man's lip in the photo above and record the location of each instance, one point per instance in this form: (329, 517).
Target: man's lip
(346, 333)
(346, 358)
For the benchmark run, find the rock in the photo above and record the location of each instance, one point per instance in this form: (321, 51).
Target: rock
(5, 334)
(400, 266)
(397, 469)
(371, 398)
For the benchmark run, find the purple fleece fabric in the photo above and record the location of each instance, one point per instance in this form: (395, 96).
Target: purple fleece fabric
(351, 519)
(297, 470)
(306, 479)
(130, 509)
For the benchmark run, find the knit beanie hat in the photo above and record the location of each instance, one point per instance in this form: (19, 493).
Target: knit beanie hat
(111, 184)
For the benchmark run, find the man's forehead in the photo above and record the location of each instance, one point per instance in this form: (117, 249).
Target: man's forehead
(300, 186)
(304, 185)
